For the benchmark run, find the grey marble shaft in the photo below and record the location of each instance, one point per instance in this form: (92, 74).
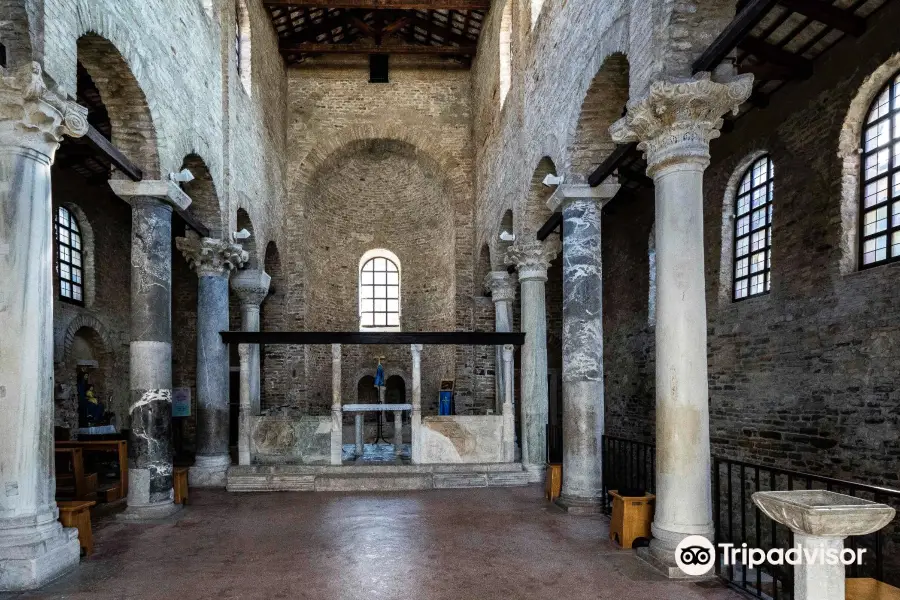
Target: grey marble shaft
(212, 367)
(337, 417)
(398, 431)
(358, 433)
(583, 411)
(415, 416)
(150, 492)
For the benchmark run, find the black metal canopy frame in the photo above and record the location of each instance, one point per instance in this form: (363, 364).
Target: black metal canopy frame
(438, 338)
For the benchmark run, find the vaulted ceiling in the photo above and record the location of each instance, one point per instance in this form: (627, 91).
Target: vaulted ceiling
(439, 27)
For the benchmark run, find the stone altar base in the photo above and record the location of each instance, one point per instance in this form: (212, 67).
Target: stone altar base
(370, 478)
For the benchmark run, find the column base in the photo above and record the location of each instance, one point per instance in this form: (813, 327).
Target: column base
(536, 473)
(34, 555)
(149, 512)
(209, 471)
(580, 506)
(660, 554)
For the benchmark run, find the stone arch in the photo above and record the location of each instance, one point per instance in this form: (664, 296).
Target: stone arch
(483, 267)
(505, 51)
(726, 263)
(63, 349)
(507, 224)
(535, 212)
(848, 153)
(273, 317)
(536, 7)
(243, 42)
(243, 221)
(88, 257)
(15, 33)
(603, 104)
(422, 146)
(206, 204)
(130, 117)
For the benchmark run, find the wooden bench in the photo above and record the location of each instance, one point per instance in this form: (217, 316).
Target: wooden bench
(180, 483)
(81, 485)
(870, 589)
(77, 514)
(120, 448)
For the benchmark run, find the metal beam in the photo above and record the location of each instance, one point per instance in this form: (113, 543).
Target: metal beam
(830, 15)
(612, 162)
(736, 31)
(384, 4)
(369, 49)
(105, 147)
(441, 338)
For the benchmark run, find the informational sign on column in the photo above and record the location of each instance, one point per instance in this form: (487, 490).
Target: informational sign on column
(181, 402)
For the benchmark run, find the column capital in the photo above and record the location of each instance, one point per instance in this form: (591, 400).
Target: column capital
(675, 121)
(569, 192)
(416, 350)
(163, 190)
(532, 259)
(211, 257)
(251, 286)
(502, 286)
(34, 117)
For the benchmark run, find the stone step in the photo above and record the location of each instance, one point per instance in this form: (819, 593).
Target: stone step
(271, 483)
(459, 480)
(354, 482)
(507, 479)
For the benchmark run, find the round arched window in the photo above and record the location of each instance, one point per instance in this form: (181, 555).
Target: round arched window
(379, 293)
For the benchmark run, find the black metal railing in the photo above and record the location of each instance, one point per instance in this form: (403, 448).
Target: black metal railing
(554, 444)
(627, 464)
(739, 521)
(631, 464)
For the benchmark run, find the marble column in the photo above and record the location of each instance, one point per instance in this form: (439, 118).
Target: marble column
(509, 416)
(213, 260)
(358, 434)
(34, 548)
(583, 405)
(502, 286)
(251, 287)
(150, 494)
(415, 416)
(337, 416)
(245, 413)
(532, 259)
(398, 431)
(674, 123)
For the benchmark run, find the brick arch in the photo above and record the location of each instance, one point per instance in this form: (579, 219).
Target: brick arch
(133, 129)
(206, 203)
(848, 153)
(243, 220)
(82, 321)
(15, 31)
(424, 147)
(497, 246)
(533, 210)
(604, 102)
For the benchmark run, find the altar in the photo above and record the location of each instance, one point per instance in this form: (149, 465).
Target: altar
(285, 450)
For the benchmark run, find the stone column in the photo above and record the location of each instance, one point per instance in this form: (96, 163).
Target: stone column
(150, 494)
(583, 406)
(502, 286)
(337, 416)
(245, 413)
(213, 260)
(358, 434)
(415, 416)
(532, 259)
(398, 431)
(674, 123)
(252, 287)
(509, 417)
(34, 548)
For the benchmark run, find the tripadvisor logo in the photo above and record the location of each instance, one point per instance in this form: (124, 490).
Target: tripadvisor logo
(695, 556)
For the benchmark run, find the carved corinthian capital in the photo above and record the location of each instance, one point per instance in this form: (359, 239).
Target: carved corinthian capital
(676, 120)
(251, 286)
(35, 117)
(211, 257)
(501, 285)
(532, 259)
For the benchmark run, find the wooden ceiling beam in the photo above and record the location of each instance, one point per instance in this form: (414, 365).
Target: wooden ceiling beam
(736, 31)
(447, 33)
(384, 4)
(830, 15)
(801, 67)
(369, 49)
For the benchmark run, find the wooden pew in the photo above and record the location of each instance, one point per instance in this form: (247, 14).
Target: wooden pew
(77, 514)
(870, 589)
(120, 447)
(84, 485)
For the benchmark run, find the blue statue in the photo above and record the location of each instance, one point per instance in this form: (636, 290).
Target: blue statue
(379, 374)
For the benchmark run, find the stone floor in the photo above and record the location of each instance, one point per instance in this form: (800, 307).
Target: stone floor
(498, 543)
